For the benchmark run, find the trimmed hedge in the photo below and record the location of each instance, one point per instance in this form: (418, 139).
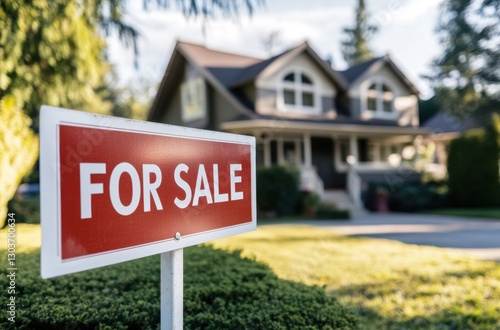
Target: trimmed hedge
(222, 290)
(473, 168)
(278, 190)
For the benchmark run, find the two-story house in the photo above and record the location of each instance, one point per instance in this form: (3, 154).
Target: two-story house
(340, 128)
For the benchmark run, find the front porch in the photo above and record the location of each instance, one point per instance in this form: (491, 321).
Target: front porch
(331, 157)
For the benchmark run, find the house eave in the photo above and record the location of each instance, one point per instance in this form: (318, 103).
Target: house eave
(284, 126)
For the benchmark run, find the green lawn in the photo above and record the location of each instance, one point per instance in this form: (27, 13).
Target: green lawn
(389, 284)
(222, 290)
(478, 213)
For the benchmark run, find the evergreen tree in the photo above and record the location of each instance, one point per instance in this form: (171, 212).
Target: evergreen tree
(355, 47)
(468, 72)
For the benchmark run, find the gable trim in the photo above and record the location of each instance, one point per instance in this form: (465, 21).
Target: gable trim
(283, 60)
(205, 74)
(377, 65)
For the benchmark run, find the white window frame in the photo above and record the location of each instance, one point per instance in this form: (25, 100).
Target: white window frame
(380, 96)
(193, 100)
(298, 87)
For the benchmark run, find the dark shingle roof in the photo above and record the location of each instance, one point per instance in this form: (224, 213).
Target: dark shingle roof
(237, 76)
(351, 74)
(444, 122)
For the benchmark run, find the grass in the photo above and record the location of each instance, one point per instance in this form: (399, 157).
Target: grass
(478, 213)
(389, 284)
(222, 290)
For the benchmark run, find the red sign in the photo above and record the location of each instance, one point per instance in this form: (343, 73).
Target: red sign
(142, 185)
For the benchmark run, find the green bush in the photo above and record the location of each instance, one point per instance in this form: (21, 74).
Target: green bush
(416, 196)
(473, 168)
(313, 208)
(329, 212)
(27, 209)
(278, 190)
(409, 196)
(222, 290)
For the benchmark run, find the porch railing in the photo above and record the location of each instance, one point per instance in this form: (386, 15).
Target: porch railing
(354, 186)
(310, 181)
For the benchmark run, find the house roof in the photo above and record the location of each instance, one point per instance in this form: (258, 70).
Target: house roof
(225, 72)
(234, 70)
(356, 73)
(352, 73)
(444, 122)
(207, 57)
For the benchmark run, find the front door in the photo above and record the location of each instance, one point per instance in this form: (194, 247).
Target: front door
(322, 158)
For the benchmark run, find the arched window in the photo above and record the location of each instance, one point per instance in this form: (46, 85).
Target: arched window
(299, 92)
(379, 99)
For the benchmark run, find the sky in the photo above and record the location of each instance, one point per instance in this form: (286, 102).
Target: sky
(406, 31)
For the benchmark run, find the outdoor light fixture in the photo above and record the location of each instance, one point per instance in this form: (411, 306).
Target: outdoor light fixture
(408, 152)
(351, 160)
(394, 160)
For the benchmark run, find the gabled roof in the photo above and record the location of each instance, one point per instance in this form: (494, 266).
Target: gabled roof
(226, 71)
(236, 70)
(356, 73)
(202, 59)
(353, 73)
(207, 57)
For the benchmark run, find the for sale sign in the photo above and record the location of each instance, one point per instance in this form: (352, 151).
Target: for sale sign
(114, 190)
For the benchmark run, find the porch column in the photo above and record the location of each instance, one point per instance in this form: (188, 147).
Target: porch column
(376, 151)
(307, 150)
(353, 146)
(267, 154)
(298, 153)
(281, 152)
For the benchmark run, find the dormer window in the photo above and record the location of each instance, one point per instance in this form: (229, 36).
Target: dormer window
(379, 101)
(299, 93)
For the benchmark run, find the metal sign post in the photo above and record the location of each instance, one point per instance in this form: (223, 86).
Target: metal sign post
(171, 290)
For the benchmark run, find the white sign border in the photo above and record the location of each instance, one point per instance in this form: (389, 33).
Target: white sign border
(51, 262)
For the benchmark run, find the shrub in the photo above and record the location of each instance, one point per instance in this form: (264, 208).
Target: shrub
(309, 204)
(278, 190)
(222, 291)
(410, 196)
(330, 212)
(312, 207)
(473, 168)
(416, 196)
(27, 209)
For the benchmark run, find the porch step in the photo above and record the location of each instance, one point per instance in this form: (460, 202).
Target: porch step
(341, 200)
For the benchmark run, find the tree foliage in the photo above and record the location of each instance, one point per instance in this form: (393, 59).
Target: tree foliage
(473, 167)
(355, 47)
(18, 150)
(53, 52)
(468, 72)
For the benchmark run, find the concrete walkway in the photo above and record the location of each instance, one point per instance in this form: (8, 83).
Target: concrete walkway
(478, 237)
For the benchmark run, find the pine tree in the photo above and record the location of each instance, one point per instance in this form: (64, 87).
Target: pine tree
(355, 47)
(467, 74)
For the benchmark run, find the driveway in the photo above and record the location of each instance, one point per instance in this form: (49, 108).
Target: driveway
(478, 237)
